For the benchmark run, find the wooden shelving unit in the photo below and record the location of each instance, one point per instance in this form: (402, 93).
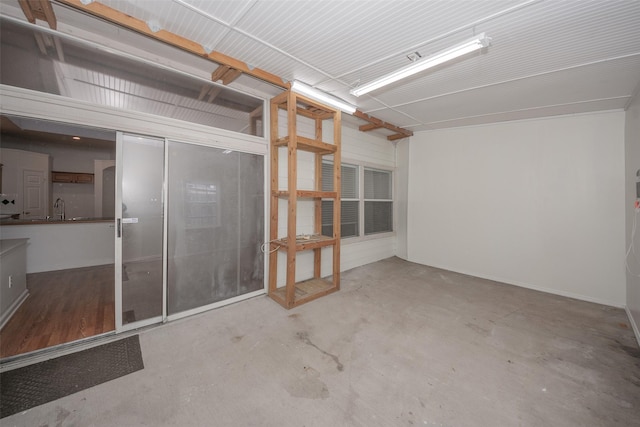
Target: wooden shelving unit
(294, 294)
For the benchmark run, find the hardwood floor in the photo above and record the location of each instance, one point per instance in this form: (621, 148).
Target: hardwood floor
(63, 306)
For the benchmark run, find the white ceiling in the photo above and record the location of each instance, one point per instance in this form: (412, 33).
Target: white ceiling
(546, 58)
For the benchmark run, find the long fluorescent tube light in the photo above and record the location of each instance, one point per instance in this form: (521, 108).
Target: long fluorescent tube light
(323, 97)
(441, 57)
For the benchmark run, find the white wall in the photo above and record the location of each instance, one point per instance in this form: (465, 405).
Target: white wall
(632, 156)
(402, 196)
(15, 163)
(79, 198)
(535, 203)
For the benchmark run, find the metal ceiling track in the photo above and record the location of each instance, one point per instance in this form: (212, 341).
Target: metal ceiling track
(229, 68)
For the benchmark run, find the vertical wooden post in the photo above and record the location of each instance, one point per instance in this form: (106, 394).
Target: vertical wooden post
(317, 253)
(273, 224)
(292, 174)
(337, 161)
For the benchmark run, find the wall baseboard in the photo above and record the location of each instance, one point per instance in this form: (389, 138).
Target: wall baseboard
(532, 287)
(634, 326)
(13, 308)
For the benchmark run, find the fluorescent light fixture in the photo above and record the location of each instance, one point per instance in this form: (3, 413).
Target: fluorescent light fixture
(322, 97)
(441, 57)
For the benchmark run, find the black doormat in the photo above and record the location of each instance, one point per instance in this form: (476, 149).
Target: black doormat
(24, 388)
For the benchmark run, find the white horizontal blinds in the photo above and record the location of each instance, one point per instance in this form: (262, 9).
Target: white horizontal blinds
(350, 209)
(378, 203)
(349, 179)
(377, 184)
(348, 221)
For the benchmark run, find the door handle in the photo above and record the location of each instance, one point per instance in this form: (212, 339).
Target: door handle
(119, 227)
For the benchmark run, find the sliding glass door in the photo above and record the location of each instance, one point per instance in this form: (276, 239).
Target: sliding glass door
(140, 229)
(215, 225)
(199, 249)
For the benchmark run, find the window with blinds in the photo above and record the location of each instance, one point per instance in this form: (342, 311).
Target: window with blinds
(378, 201)
(371, 205)
(350, 202)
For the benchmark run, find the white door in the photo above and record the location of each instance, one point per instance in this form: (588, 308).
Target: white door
(34, 190)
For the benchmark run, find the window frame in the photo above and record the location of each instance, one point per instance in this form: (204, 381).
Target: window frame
(364, 200)
(348, 199)
(361, 166)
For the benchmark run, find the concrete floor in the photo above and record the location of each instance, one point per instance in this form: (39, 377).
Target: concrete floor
(400, 344)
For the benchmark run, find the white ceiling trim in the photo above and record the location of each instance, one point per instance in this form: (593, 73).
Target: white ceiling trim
(573, 67)
(523, 110)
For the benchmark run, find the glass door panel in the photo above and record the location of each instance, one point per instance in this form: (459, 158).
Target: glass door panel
(140, 221)
(215, 225)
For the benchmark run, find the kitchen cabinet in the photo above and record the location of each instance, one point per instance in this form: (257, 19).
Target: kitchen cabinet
(72, 177)
(13, 278)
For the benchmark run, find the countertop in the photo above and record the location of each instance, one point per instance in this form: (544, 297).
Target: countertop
(53, 221)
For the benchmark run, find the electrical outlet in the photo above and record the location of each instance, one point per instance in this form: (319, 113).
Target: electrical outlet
(10, 281)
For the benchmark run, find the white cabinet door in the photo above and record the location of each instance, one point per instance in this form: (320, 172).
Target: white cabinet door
(34, 188)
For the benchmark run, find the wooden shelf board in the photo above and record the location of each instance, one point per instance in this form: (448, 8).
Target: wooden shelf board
(308, 144)
(309, 194)
(306, 291)
(313, 242)
(309, 113)
(307, 107)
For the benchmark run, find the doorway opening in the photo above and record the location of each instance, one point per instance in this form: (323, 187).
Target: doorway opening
(49, 201)
(130, 230)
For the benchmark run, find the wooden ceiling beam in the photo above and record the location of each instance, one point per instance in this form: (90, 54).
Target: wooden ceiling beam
(230, 76)
(42, 10)
(396, 136)
(226, 74)
(39, 9)
(370, 126)
(219, 72)
(203, 92)
(399, 132)
(105, 12)
(213, 93)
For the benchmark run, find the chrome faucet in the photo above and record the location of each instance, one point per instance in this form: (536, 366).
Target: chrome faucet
(59, 206)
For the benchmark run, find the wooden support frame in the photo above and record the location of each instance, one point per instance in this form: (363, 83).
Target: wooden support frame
(105, 12)
(42, 10)
(39, 9)
(296, 293)
(102, 11)
(317, 208)
(226, 74)
(375, 123)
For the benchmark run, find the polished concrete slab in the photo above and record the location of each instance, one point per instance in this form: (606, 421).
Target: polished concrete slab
(400, 344)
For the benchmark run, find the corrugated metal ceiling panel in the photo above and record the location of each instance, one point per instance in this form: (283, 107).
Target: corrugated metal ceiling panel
(520, 50)
(342, 36)
(336, 44)
(597, 82)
